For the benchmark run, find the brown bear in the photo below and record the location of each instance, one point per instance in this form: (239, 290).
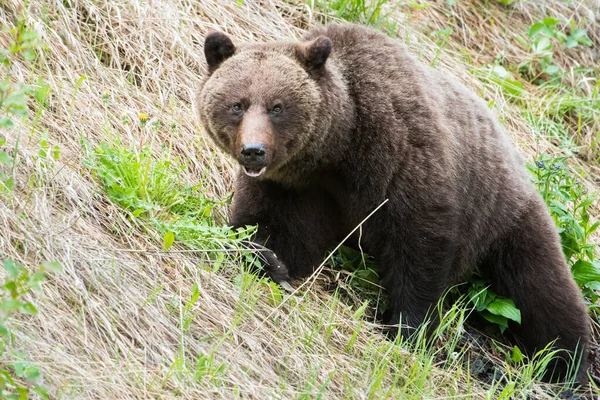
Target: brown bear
(327, 129)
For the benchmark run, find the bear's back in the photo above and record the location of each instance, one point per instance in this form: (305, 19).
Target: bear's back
(426, 130)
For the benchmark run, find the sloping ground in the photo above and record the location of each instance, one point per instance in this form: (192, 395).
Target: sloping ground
(125, 319)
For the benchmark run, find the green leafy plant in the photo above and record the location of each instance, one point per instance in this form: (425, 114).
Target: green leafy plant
(355, 10)
(494, 308)
(23, 45)
(373, 13)
(363, 269)
(503, 78)
(19, 378)
(364, 277)
(569, 203)
(151, 190)
(542, 36)
(441, 40)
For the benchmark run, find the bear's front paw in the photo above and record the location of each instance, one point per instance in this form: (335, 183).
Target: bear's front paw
(272, 266)
(276, 269)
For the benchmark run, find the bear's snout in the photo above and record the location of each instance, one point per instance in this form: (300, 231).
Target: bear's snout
(255, 142)
(253, 154)
(253, 159)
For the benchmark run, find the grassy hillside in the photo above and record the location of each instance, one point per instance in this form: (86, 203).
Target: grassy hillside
(119, 278)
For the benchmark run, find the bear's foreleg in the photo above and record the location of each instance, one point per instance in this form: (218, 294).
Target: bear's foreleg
(296, 226)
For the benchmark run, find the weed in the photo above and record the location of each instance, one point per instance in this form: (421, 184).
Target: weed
(494, 308)
(360, 11)
(23, 46)
(574, 115)
(569, 203)
(355, 10)
(151, 189)
(441, 40)
(502, 78)
(542, 36)
(19, 379)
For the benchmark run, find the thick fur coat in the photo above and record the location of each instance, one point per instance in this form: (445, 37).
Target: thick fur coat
(327, 129)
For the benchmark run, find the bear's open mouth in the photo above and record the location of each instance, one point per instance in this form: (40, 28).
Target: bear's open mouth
(254, 172)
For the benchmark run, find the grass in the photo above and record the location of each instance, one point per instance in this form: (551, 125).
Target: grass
(105, 170)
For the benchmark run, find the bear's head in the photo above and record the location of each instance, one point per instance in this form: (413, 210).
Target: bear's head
(260, 102)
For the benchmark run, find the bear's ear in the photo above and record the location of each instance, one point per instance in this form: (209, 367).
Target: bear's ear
(217, 48)
(314, 53)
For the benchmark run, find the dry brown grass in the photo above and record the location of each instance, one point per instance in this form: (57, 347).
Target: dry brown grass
(105, 328)
(483, 32)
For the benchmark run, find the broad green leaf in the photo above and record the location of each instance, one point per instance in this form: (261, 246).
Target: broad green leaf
(584, 272)
(168, 240)
(41, 391)
(580, 35)
(571, 42)
(5, 158)
(366, 278)
(499, 320)
(517, 355)
(6, 123)
(28, 308)
(552, 69)
(28, 36)
(9, 183)
(479, 297)
(10, 305)
(42, 91)
(542, 45)
(20, 368)
(537, 29)
(506, 308)
(52, 266)
(36, 279)
(13, 269)
(3, 330)
(33, 374)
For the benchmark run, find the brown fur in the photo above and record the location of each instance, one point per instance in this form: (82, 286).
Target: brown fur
(363, 121)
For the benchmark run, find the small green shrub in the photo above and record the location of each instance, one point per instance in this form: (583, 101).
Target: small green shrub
(569, 203)
(361, 11)
(495, 309)
(542, 37)
(19, 378)
(503, 79)
(152, 190)
(23, 46)
(354, 10)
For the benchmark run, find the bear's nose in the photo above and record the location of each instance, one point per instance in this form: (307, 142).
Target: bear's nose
(253, 153)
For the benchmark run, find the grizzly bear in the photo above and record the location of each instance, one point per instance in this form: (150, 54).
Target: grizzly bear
(327, 129)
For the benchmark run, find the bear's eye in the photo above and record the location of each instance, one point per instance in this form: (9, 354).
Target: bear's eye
(277, 109)
(237, 108)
